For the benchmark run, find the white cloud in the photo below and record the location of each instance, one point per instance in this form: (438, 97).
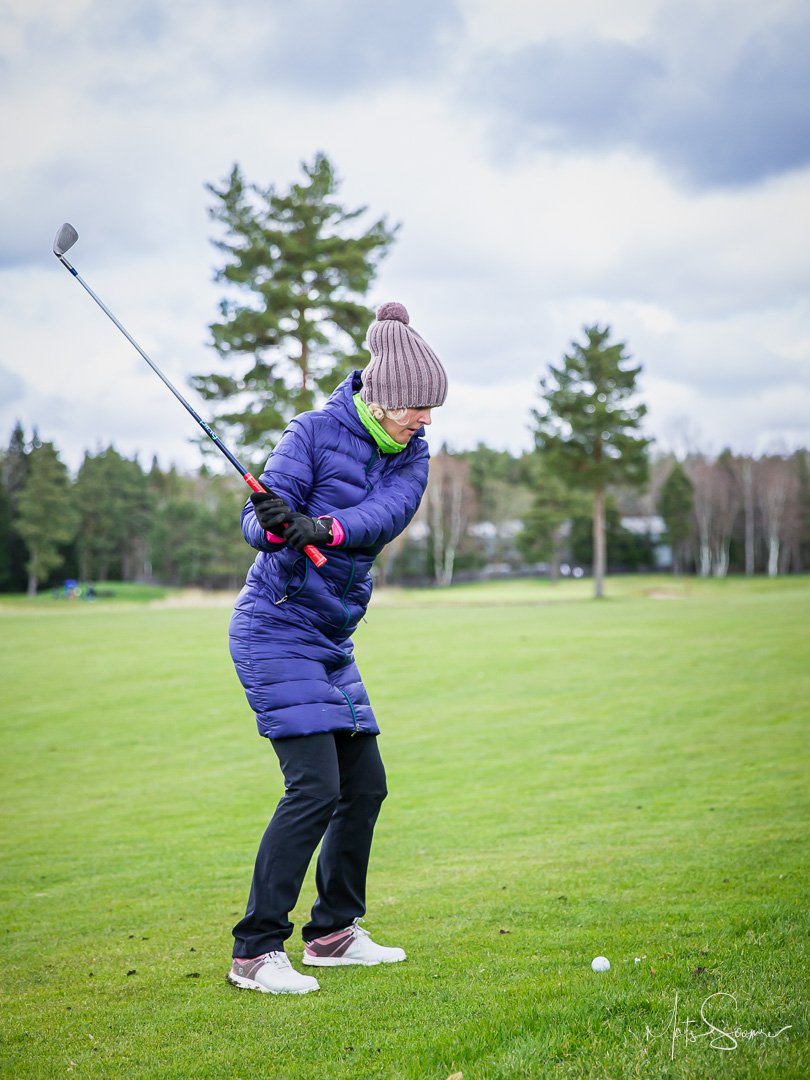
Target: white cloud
(510, 24)
(500, 260)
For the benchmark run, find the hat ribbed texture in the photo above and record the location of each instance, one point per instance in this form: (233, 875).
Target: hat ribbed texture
(404, 371)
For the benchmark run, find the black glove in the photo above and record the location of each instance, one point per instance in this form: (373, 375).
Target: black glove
(271, 511)
(303, 530)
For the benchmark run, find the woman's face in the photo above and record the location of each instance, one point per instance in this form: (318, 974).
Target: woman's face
(401, 424)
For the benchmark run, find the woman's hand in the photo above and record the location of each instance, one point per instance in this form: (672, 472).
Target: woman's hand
(271, 512)
(277, 517)
(303, 530)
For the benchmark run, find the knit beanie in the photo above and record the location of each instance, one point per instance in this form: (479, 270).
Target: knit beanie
(404, 372)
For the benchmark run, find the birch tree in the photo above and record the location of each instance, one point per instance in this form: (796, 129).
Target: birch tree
(701, 473)
(747, 484)
(728, 499)
(776, 485)
(449, 497)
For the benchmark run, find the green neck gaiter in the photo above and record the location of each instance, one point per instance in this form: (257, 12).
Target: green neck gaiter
(375, 429)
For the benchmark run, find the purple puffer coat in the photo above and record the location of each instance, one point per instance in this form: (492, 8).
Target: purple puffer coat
(290, 633)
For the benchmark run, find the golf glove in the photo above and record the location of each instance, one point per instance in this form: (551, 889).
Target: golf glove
(303, 530)
(271, 511)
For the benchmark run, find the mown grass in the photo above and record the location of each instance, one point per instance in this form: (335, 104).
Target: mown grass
(567, 778)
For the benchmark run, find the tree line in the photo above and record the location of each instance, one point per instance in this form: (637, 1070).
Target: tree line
(488, 512)
(114, 521)
(485, 512)
(740, 513)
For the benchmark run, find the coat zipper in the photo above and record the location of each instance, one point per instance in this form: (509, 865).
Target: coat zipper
(354, 714)
(289, 579)
(372, 461)
(345, 593)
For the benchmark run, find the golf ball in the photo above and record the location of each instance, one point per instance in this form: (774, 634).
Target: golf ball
(600, 963)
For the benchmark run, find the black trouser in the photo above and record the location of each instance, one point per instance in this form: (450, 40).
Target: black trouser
(335, 785)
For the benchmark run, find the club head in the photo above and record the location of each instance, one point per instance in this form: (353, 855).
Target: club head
(65, 239)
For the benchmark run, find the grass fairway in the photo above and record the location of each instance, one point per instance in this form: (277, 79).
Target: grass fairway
(568, 778)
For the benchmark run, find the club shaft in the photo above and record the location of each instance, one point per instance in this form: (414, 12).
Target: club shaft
(169, 385)
(310, 550)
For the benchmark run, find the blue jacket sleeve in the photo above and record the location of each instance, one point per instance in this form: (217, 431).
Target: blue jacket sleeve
(288, 473)
(386, 510)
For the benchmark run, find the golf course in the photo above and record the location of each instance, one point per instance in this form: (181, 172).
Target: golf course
(568, 778)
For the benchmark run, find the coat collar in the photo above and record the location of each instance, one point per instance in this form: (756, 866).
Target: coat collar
(341, 406)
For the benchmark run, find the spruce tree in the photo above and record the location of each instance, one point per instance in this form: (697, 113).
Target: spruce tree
(46, 518)
(15, 470)
(587, 432)
(294, 322)
(5, 535)
(115, 515)
(676, 505)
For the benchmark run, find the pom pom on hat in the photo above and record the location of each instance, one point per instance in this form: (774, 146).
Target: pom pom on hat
(393, 310)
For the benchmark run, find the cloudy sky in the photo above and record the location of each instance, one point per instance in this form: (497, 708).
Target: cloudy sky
(644, 164)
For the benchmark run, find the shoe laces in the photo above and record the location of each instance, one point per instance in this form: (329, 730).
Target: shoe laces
(358, 929)
(278, 959)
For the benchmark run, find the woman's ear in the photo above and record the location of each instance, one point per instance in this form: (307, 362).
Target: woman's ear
(376, 411)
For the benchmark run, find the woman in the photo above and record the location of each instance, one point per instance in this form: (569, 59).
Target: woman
(347, 478)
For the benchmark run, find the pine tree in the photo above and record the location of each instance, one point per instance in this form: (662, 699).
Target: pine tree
(300, 322)
(15, 470)
(5, 536)
(115, 515)
(676, 505)
(46, 517)
(587, 432)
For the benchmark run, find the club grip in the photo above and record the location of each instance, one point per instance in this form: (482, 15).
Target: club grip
(317, 557)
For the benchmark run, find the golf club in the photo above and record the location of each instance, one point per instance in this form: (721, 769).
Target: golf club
(65, 239)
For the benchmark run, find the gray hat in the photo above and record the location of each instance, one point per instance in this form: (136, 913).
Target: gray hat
(404, 372)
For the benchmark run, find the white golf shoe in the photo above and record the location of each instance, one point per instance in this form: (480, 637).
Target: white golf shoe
(350, 946)
(272, 973)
